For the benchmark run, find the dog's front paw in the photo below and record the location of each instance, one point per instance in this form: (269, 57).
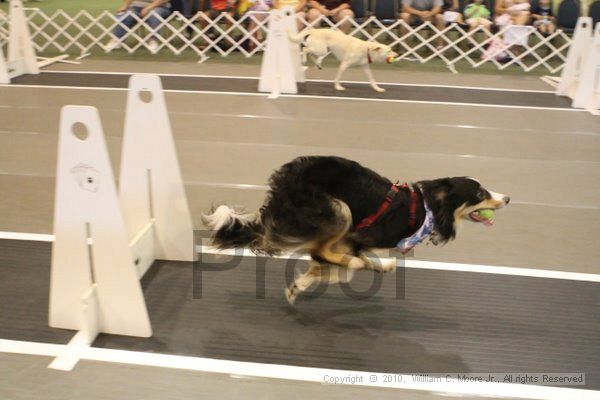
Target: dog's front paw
(290, 295)
(340, 88)
(388, 265)
(379, 89)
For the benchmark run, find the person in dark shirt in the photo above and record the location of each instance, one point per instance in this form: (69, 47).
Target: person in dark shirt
(543, 18)
(336, 10)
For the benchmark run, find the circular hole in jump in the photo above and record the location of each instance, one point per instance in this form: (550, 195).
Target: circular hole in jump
(80, 131)
(145, 95)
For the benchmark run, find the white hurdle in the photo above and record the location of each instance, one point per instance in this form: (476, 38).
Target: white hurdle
(281, 67)
(570, 76)
(21, 55)
(104, 243)
(3, 69)
(588, 92)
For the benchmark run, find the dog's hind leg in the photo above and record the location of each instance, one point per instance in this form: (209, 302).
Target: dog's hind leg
(369, 74)
(343, 67)
(304, 55)
(303, 282)
(317, 272)
(333, 249)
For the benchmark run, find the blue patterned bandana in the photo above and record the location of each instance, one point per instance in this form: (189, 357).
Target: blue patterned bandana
(406, 244)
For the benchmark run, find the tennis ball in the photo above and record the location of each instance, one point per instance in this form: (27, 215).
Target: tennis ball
(390, 59)
(486, 213)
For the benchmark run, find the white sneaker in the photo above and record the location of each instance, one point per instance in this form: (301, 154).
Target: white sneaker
(153, 46)
(111, 45)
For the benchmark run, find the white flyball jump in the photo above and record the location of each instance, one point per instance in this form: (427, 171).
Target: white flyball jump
(281, 64)
(588, 92)
(569, 78)
(580, 78)
(21, 55)
(105, 242)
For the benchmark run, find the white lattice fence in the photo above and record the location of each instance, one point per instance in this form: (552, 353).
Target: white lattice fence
(83, 32)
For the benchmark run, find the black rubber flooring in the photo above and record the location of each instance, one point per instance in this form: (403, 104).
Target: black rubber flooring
(418, 320)
(311, 88)
(24, 293)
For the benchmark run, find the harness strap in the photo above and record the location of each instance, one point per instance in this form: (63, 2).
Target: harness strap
(369, 56)
(389, 198)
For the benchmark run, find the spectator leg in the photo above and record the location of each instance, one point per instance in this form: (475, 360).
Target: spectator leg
(125, 20)
(347, 14)
(406, 17)
(551, 28)
(439, 23)
(486, 23)
(155, 18)
(312, 17)
(522, 18)
(300, 18)
(254, 22)
(542, 29)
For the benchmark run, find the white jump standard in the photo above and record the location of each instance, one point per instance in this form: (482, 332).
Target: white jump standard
(104, 243)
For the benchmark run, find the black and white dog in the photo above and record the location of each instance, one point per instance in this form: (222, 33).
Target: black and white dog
(335, 209)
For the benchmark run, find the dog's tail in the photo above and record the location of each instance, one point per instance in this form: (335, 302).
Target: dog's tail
(299, 38)
(235, 230)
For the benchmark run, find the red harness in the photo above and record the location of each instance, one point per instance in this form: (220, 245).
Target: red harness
(389, 198)
(369, 56)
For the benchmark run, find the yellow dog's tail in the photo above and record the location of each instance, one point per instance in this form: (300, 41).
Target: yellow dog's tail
(299, 38)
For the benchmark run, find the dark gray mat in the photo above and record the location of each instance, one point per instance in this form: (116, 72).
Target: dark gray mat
(312, 88)
(446, 322)
(24, 292)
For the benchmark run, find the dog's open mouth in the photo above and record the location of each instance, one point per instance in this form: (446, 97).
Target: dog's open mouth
(483, 215)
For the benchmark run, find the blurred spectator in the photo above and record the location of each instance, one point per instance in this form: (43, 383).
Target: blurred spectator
(451, 12)
(336, 10)
(259, 11)
(477, 14)
(217, 7)
(155, 10)
(415, 12)
(299, 7)
(512, 12)
(543, 18)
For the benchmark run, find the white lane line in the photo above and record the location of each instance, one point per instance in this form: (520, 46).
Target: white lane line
(305, 374)
(442, 266)
(34, 237)
(408, 263)
(298, 96)
(493, 89)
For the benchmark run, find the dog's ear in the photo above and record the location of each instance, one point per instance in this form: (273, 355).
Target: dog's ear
(376, 48)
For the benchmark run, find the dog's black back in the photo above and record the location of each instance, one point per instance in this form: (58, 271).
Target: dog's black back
(299, 203)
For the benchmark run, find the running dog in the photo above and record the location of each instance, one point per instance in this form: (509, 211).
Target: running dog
(349, 50)
(335, 209)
